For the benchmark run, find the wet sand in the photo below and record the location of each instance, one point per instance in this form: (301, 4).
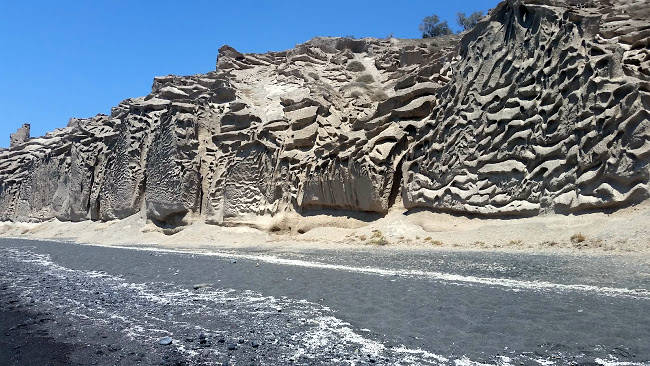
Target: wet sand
(20, 345)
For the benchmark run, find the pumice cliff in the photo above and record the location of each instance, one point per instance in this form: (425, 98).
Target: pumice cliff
(547, 110)
(543, 107)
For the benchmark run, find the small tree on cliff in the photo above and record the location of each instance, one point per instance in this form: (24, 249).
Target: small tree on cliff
(431, 26)
(469, 22)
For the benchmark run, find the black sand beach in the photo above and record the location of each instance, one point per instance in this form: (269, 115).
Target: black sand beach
(99, 305)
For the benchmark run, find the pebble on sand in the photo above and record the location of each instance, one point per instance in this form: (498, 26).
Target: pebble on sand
(165, 341)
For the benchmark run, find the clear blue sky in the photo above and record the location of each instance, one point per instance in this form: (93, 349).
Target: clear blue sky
(63, 59)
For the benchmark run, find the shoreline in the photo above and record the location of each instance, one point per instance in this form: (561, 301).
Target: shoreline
(621, 233)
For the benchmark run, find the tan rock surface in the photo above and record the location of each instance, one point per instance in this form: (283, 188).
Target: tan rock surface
(542, 108)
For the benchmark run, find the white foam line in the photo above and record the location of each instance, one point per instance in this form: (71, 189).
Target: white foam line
(326, 329)
(602, 362)
(441, 276)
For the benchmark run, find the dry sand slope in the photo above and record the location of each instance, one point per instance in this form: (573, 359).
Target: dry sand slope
(626, 231)
(541, 109)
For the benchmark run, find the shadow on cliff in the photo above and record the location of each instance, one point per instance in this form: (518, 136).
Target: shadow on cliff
(468, 215)
(364, 216)
(171, 225)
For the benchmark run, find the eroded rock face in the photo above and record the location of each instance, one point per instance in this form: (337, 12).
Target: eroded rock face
(548, 110)
(20, 136)
(542, 107)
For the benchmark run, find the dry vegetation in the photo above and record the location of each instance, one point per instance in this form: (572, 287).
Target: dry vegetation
(378, 238)
(430, 240)
(577, 238)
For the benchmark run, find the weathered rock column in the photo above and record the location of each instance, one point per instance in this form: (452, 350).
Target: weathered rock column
(20, 136)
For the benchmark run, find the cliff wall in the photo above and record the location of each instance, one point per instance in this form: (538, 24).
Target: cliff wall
(543, 107)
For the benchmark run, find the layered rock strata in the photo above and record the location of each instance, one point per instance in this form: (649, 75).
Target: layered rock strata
(542, 107)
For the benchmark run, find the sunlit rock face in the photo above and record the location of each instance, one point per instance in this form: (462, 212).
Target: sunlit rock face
(547, 110)
(543, 107)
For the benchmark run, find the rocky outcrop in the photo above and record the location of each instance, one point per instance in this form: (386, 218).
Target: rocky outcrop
(543, 107)
(20, 136)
